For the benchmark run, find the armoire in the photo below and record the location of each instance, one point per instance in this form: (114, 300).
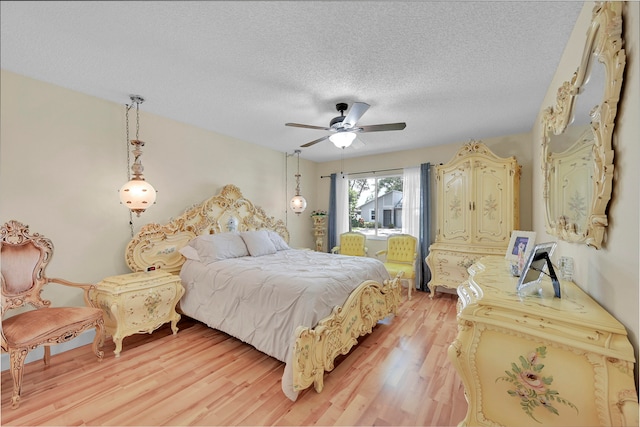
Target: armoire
(477, 208)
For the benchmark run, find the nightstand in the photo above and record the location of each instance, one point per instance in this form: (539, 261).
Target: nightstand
(137, 302)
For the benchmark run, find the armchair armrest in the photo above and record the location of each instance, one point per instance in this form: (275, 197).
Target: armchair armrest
(86, 287)
(382, 252)
(3, 341)
(335, 249)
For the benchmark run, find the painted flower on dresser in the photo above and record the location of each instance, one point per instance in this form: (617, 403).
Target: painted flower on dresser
(531, 386)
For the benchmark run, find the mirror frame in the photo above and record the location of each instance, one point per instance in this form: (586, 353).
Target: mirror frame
(604, 44)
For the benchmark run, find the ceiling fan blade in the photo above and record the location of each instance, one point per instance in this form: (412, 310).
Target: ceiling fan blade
(354, 114)
(378, 128)
(298, 125)
(309, 144)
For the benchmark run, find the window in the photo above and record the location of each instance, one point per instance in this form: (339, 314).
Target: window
(375, 205)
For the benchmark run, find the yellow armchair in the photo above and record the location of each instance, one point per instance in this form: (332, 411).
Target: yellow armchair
(401, 255)
(351, 243)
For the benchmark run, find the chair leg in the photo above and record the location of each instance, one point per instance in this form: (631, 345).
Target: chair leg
(17, 357)
(98, 340)
(47, 355)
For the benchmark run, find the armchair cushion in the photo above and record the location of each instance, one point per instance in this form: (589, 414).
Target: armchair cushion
(393, 269)
(36, 327)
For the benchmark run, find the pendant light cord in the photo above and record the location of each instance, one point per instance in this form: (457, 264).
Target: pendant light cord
(128, 107)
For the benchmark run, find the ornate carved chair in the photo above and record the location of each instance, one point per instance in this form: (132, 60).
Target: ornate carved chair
(351, 243)
(24, 258)
(401, 256)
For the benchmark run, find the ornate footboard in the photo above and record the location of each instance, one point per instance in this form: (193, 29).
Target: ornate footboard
(316, 349)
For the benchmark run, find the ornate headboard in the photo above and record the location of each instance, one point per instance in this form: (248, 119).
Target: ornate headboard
(158, 245)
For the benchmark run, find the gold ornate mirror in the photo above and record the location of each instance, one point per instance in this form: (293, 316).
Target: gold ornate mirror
(577, 154)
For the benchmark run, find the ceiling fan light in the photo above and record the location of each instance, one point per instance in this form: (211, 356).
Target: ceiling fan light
(342, 139)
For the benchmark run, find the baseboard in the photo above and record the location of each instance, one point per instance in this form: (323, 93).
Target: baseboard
(37, 354)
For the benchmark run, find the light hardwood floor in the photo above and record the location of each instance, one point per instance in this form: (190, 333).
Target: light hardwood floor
(398, 375)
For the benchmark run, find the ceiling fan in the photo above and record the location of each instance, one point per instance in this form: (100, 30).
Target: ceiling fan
(344, 128)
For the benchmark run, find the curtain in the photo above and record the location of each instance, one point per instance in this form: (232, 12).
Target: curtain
(416, 216)
(338, 209)
(411, 211)
(331, 227)
(424, 240)
(342, 206)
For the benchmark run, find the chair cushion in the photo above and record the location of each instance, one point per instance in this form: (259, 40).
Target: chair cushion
(38, 326)
(393, 269)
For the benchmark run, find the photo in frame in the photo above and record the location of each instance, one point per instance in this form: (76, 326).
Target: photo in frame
(520, 240)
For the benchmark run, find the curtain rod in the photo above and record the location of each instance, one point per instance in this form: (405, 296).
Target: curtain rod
(358, 173)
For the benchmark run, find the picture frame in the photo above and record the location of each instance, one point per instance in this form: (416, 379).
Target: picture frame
(538, 261)
(525, 238)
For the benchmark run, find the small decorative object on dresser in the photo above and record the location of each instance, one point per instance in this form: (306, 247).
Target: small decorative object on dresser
(137, 302)
(521, 242)
(531, 274)
(520, 246)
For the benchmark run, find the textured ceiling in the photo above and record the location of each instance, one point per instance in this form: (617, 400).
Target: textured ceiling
(451, 70)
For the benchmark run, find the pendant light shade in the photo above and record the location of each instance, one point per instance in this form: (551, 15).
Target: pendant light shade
(298, 203)
(137, 194)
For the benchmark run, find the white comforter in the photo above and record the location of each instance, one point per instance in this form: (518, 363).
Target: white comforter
(262, 300)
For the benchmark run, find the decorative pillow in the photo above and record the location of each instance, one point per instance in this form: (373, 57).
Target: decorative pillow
(190, 252)
(258, 242)
(277, 241)
(216, 247)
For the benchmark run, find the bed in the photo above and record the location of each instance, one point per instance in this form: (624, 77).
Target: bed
(301, 307)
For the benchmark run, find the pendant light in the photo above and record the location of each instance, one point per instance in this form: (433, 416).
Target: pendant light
(137, 194)
(298, 203)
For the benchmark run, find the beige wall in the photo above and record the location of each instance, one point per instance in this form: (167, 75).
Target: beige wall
(63, 158)
(610, 275)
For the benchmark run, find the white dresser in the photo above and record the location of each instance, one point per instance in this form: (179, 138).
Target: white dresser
(538, 360)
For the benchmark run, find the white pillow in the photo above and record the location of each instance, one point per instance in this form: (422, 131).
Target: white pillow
(216, 247)
(277, 241)
(190, 252)
(258, 242)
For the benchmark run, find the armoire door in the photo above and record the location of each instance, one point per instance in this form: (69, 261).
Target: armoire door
(454, 211)
(491, 204)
